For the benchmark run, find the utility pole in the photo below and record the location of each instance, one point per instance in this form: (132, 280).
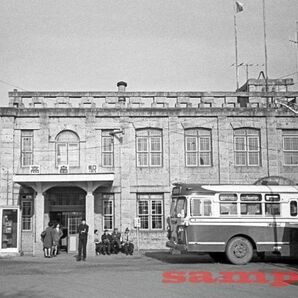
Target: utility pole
(265, 46)
(296, 43)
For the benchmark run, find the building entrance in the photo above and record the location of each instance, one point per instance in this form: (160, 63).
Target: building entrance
(66, 206)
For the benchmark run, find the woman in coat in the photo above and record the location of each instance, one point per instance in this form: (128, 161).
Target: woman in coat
(57, 234)
(47, 239)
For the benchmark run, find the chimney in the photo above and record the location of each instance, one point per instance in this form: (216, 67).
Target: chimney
(121, 86)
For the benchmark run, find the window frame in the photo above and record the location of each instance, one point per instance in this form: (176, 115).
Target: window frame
(148, 134)
(150, 199)
(247, 136)
(23, 151)
(200, 133)
(67, 144)
(27, 216)
(292, 134)
(105, 134)
(108, 198)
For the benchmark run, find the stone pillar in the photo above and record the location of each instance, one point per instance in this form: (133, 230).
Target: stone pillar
(39, 222)
(90, 222)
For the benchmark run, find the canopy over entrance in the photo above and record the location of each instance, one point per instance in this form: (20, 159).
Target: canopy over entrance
(43, 182)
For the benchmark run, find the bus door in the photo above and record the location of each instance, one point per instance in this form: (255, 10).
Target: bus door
(293, 227)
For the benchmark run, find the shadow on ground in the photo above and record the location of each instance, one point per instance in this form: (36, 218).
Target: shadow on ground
(166, 257)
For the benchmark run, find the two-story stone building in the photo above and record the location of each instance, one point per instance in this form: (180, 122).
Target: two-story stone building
(113, 156)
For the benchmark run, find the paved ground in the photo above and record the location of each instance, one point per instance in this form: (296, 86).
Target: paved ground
(135, 276)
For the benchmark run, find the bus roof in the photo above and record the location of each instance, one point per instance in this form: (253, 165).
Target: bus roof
(186, 189)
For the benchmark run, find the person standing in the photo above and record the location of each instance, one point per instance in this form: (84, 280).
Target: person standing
(57, 234)
(83, 230)
(47, 239)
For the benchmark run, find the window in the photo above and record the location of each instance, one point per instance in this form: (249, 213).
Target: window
(250, 207)
(247, 147)
(198, 147)
(293, 208)
(26, 148)
(272, 209)
(150, 211)
(290, 147)
(149, 148)
(26, 215)
(200, 207)
(68, 149)
(107, 145)
(108, 211)
(228, 208)
(228, 197)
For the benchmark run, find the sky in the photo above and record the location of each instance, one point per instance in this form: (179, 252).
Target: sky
(153, 45)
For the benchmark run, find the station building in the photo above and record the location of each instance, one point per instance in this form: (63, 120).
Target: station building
(111, 157)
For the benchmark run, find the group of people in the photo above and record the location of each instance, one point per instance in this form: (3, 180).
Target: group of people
(113, 243)
(110, 243)
(50, 238)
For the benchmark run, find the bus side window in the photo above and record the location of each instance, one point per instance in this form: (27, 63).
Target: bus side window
(272, 209)
(293, 208)
(195, 207)
(228, 208)
(207, 208)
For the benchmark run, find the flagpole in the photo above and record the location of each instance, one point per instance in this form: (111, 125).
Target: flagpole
(265, 47)
(236, 47)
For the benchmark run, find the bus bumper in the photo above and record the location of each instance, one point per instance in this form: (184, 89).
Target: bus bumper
(180, 247)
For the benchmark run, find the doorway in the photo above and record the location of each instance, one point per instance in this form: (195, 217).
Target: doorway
(66, 206)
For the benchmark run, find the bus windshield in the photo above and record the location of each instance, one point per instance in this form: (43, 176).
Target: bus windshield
(180, 210)
(173, 206)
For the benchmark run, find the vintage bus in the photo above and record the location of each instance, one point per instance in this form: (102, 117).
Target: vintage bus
(234, 221)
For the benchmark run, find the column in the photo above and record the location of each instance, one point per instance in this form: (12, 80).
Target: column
(39, 222)
(90, 222)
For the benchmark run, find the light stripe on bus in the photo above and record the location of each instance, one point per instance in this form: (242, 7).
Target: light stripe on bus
(216, 243)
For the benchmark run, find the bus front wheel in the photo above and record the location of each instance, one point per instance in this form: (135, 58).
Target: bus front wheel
(239, 251)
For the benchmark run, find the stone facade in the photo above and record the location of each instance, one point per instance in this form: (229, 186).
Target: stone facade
(90, 114)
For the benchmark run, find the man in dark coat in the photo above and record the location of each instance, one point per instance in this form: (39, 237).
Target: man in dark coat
(83, 236)
(106, 241)
(116, 241)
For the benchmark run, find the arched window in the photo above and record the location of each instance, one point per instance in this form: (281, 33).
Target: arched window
(198, 147)
(68, 149)
(247, 147)
(149, 147)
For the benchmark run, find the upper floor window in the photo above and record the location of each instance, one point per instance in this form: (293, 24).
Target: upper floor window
(107, 145)
(26, 148)
(68, 149)
(149, 147)
(198, 147)
(290, 147)
(247, 147)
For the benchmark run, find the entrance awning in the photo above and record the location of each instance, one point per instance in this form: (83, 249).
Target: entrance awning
(98, 177)
(46, 181)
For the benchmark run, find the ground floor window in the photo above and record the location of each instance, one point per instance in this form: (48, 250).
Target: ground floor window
(9, 228)
(150, 211)
(108, 211)
(26, 215)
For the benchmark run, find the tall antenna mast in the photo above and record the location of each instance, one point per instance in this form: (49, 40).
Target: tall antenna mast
(296, 43)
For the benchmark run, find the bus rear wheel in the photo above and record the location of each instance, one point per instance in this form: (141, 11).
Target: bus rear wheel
(239, 251)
